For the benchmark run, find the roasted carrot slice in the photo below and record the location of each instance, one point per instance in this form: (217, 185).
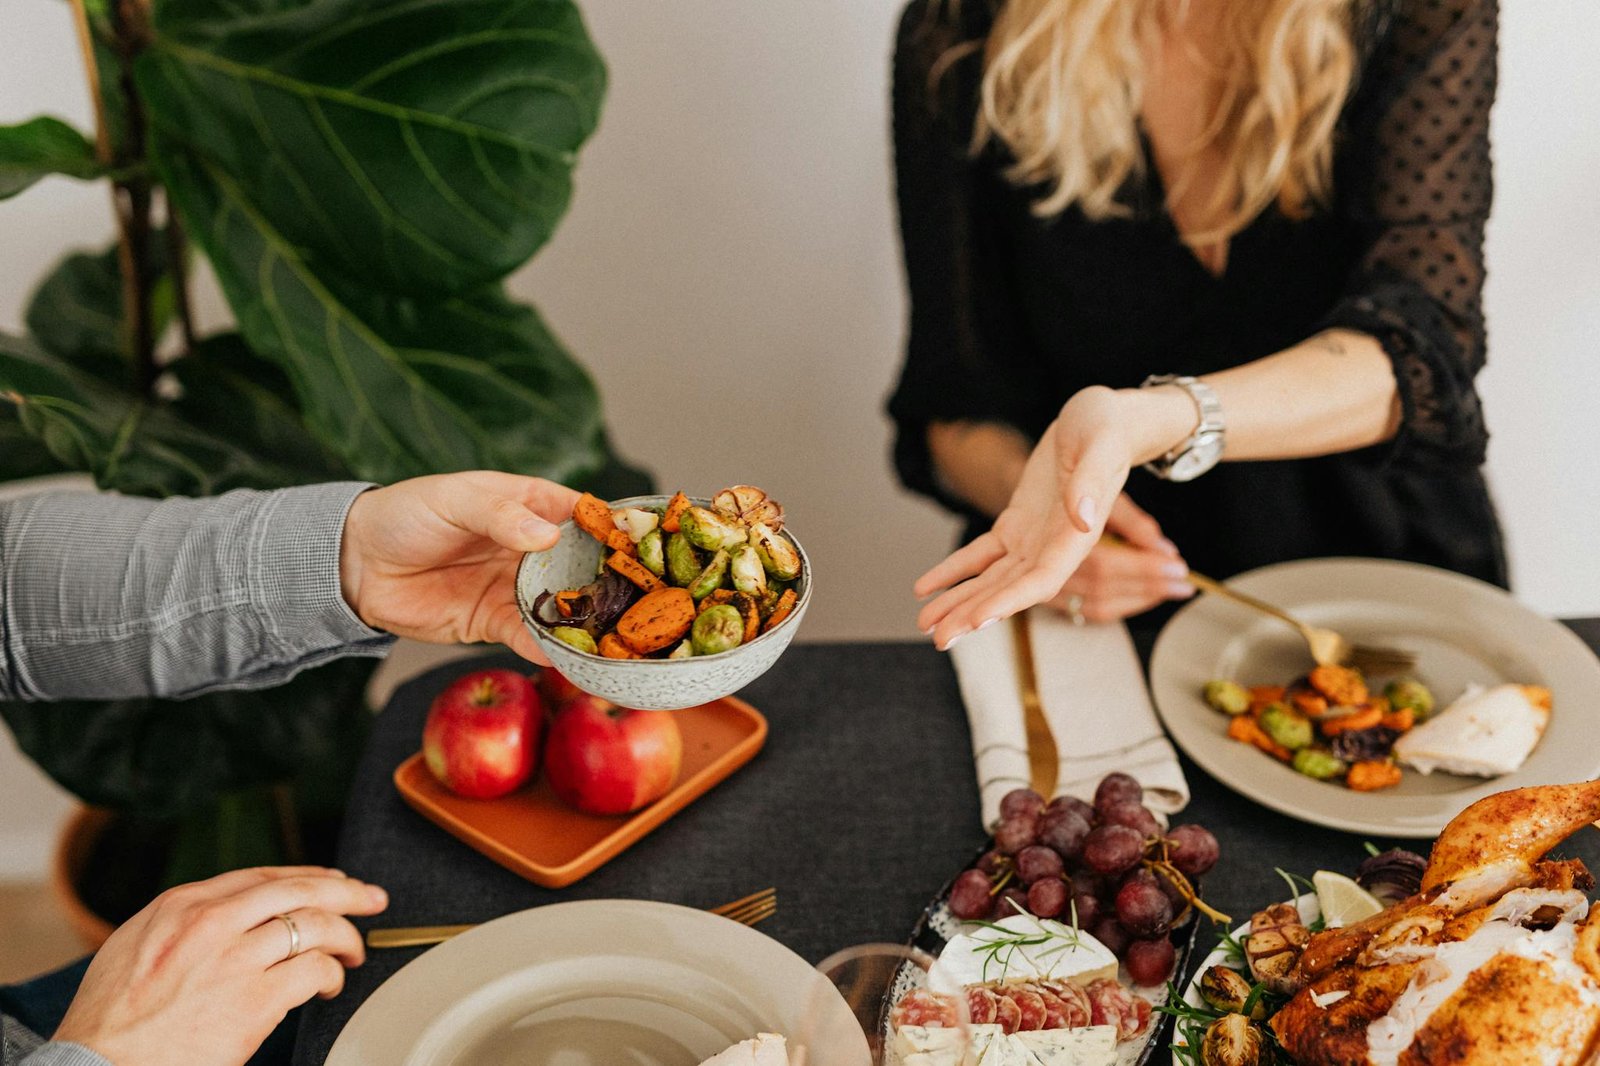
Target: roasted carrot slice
(1309, 703)
(751, 612)
(1371, 776)
(1400, 720)
(784, 608)
(1340, 684)
(591, 515)
(1244, 728)
(714, 597)
(1365, 718)
(658, 620)
(675, 508)
(634, 571)
(1262, 695)
(564, 600)
(612, 647)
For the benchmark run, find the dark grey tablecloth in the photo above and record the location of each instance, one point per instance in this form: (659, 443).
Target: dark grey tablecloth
(861, 806)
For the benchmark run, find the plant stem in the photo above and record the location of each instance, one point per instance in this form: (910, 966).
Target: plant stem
(133, 197)
(178, 264)
(130, 196)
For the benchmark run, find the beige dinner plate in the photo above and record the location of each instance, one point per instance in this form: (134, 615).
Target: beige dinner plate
(613, 982)
(1463, 632)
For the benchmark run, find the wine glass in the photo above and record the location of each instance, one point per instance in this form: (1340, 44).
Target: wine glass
(871, 990)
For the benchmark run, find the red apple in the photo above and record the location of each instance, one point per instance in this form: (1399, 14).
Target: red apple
(555, 688)
(605, 759)
(482, 735)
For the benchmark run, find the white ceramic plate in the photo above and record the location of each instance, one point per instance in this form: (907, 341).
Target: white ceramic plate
(1463, 631)
(1309, 912)
(598, 983)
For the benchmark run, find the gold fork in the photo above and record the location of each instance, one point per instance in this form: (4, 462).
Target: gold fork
(1327, 647)
(754, 908)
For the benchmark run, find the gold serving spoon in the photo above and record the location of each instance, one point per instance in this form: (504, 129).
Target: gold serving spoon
(1327, 647)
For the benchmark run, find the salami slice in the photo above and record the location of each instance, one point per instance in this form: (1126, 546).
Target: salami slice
(924, 1008)
(1031, 1004)
(1007, 1014)
(981, 1006)
(1057, 1012)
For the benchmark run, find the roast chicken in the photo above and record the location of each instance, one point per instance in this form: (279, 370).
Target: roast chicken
(1493, 963)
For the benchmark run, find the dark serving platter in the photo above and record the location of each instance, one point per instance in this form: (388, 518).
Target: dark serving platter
(926, 936)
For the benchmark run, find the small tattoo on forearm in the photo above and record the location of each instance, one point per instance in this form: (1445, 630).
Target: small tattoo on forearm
(1330, 345)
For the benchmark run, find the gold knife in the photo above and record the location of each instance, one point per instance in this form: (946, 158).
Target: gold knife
(1044, 760)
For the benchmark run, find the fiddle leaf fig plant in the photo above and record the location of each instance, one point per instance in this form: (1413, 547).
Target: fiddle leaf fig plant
(360, 176)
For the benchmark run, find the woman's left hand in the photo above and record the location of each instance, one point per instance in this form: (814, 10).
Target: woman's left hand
(1055, 516)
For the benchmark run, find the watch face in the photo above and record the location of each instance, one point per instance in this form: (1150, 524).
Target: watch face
(1200, 457)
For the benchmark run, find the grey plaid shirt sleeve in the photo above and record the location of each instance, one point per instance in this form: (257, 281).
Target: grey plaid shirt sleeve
(18, 1047)
(105, 597)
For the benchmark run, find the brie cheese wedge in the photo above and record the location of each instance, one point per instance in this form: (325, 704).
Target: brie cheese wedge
(1054, 952)
(1485, 733)
(766, 1049)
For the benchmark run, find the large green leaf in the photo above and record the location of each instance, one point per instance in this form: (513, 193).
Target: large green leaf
(165, 757)
(396, 387)
(416, 146)
(76, 312)
(232, 393)
(128, 444)
(39, 148)
(21, 454)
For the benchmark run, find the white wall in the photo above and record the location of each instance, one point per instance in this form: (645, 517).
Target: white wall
(732, 252)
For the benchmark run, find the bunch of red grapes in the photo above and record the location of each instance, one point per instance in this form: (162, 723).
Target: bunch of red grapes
(1093, 865)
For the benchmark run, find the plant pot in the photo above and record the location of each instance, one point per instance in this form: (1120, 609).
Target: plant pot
(74, 847)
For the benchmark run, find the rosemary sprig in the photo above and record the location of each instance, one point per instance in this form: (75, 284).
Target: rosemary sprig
(1004, 947)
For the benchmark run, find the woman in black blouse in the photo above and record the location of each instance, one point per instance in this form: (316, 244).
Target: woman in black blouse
(1283, 199)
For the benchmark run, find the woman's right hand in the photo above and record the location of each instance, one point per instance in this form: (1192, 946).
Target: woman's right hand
(203, 974)
(1128, 572)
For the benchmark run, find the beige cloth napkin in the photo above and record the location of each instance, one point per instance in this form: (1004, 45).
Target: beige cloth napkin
(1094, 697)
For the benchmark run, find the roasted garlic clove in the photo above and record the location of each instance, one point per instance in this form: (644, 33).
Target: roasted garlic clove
(1277, 937)
(748, 505)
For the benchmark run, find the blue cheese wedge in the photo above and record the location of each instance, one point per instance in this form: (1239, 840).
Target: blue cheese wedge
(1005, 1051)
(1485, 733)
(1095, 1045)
(920, 1045)
(1022, 948)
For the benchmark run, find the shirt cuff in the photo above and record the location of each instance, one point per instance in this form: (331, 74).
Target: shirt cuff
(294, 569)
(57, 1053)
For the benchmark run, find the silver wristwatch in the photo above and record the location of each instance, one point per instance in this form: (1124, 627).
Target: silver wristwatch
(1203, 449)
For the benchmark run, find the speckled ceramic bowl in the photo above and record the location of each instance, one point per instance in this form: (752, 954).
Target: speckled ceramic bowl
(649, 684)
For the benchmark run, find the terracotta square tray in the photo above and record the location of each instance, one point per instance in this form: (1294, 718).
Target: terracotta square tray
(536, 835)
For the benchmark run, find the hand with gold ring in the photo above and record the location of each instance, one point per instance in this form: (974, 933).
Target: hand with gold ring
(204, 973)
(1126, 574)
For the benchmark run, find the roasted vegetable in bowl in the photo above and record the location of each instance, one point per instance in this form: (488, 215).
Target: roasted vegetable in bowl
(679, 580)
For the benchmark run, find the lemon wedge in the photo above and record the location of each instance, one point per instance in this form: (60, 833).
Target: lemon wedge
(1343, 902)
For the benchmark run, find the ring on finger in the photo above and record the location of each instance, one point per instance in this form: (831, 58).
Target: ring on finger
(1075, 609)
(294, 935)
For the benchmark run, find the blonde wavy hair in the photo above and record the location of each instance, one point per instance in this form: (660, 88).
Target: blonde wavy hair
(1063, 82)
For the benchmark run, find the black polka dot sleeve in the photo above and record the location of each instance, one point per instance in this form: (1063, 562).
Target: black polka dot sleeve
(1415, 181)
